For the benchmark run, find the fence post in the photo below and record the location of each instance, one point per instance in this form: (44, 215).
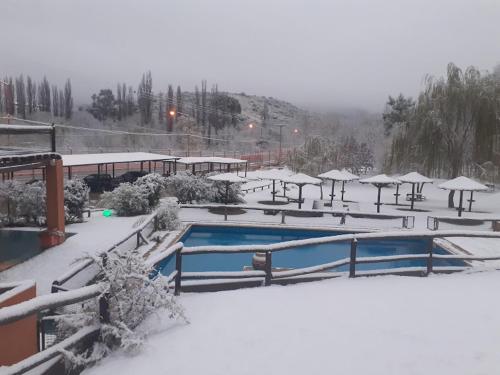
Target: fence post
(104, 316)
(225, 213)
(138, 235)
(352, 262)
(342, 219)
(283, 215)
(269, 268)
(54, 288)
(178, 268)
(429, 259)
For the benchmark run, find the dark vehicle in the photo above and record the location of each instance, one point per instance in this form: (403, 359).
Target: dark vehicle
(131, 176)
(98, 183)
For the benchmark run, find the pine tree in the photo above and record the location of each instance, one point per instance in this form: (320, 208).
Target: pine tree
(179, 101)
(55, 101)
(29, 92)
(10, 106)
(145, 98)
(170, 109)
(161, 109)
(119, 101)
(21, 97)
(62, 104)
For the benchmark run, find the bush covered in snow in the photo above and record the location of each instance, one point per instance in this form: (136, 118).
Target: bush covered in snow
(187, 187)
(168, 216)
(75, 195)
(25, 203)
(127, 200)
(153, 185)
(132, 297)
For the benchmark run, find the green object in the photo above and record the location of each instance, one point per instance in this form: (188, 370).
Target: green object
(107, 213)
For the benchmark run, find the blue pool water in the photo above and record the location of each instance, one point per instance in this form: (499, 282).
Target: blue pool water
(293, 258)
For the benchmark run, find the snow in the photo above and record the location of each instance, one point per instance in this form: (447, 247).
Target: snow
(380, 179)
(47, 301)
(349, 174)
(114, 157)
(25, 128)
(227, 177)
(442, 324)
(273, 174)
(463, 183)
(209, 159)
(93, 236)
(14, 288)
(337, 175)
(414, 178)
(301, 179)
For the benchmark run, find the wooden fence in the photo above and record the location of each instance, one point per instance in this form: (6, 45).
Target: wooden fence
(141, 238)
(47, 305)
(212, 281)
(407, 221)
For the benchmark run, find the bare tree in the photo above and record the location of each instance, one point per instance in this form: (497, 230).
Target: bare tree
(55, 101)
(21, 96)
(145, 98)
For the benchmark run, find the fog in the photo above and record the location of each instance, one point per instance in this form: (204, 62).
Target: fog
(327, 54)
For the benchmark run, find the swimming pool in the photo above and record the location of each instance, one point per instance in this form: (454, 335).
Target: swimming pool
(306, 256)
(18, 245)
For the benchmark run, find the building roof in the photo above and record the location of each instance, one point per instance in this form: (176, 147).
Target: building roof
(114, 157)
(209, 159)
(463, 183)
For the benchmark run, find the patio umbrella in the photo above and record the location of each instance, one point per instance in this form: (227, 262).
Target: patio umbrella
(462, 184)
(414, 178)
(274, 175)
(301, 179)
(380, 181)
(336, 175)
(228, 178)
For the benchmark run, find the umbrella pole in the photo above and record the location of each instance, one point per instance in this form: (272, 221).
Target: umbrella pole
(397, 194)
(274, 190)
(460, 205)
(300, 196)
(343, 190)
(332, 194)
(412, 196)
(378, 198)
(470, 201)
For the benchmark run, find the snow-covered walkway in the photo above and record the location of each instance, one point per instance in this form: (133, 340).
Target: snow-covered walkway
(448, 324)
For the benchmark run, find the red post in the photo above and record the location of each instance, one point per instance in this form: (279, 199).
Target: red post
(54, 235)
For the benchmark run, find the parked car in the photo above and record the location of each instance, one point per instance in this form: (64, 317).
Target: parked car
(98, 183)
(131, 176)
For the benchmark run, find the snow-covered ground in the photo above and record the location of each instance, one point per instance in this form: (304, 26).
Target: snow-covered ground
(94, 235)
(447, 324)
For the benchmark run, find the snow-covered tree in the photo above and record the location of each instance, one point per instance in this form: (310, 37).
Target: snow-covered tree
(189, 188)
(127, 200)
(152, 184)
(75, 195)
(168, 216)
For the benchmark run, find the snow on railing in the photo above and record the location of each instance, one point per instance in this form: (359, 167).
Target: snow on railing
(407, 221)
(208, 281)
(58, 283)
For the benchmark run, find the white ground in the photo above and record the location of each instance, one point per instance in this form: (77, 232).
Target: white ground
(382, 325)
(95, 235)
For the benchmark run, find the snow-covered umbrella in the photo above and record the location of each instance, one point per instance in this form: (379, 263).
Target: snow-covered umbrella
(462, 184)
(228, 178)
(414, 178)
(380, 181)
(274, 175)
(336, 175)
(301, 179)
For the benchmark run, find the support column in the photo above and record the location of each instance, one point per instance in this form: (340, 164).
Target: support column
(54, 235)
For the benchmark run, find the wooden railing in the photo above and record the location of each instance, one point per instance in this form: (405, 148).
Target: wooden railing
(138, 233)
(433, 221)
(407, 221)
(211, 281)
(47, 304)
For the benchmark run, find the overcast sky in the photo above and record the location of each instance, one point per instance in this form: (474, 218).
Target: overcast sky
(328, 53)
